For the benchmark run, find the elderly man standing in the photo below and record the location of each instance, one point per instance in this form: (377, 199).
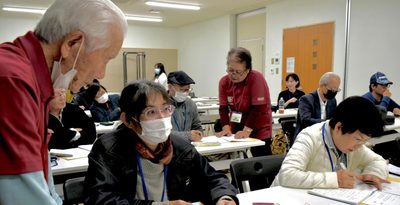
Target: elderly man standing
(379, 93)
(69, 47)
(319, 105)
(185, 119)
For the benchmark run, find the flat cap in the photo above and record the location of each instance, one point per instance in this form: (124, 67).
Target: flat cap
(180, 78)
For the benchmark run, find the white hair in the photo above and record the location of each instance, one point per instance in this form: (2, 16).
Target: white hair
(324, 80)
(95, 18)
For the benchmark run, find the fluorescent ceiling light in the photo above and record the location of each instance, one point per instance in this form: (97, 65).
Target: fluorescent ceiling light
(42, 11)
(173, 5)
(143, 18)
(23, 9)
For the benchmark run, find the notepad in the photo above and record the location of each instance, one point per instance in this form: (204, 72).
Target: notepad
(363, 194)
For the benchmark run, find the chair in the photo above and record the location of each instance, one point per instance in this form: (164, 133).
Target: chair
(74, 191)
(261, 170)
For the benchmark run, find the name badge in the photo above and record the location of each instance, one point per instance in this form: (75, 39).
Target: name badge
(236, 117)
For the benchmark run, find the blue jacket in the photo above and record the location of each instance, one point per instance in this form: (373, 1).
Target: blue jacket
(309, 112)
(385, 102)
(102, 113)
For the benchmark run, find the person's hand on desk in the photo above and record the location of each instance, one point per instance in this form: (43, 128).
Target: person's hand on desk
(226, 131)
(196, 135)
(245, 133)
(372, 180)
(346, 179)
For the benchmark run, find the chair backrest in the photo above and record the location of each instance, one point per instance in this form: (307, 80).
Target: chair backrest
(74, 191)
(263, 169)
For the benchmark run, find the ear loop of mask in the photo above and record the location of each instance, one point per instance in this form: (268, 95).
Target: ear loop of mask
(77, 55)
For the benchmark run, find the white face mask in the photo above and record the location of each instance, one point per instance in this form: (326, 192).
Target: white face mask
(61, 80)
(181, 96)
(155, 131)
(157, 71)
(102, 99)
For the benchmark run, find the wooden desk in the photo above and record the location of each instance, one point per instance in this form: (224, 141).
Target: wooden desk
(80, 165)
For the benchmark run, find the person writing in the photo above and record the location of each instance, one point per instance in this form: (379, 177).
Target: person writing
(185, 119)
(332, 154)
(143, 163)
(245, 103)
(70, 46)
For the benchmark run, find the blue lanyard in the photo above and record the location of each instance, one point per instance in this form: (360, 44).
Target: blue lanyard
(146, 195)
(184, 122)
(326, 147)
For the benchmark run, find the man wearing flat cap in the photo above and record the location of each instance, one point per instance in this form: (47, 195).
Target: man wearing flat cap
(379, 93)
(185, 119)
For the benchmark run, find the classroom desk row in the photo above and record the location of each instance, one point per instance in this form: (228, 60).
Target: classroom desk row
(80, 164)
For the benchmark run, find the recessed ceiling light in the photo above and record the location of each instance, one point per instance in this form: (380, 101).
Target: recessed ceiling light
(173, 5)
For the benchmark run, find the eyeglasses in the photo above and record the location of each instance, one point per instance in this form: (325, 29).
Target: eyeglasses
(152, 113)
(235, 72)
(360, 141)
(385, 86)
(333, 90)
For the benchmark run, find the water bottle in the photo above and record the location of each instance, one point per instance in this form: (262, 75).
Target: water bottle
(281, 105)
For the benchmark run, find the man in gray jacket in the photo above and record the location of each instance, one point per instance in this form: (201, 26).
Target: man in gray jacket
(185, 119)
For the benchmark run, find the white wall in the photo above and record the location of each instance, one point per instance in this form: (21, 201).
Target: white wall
(374, 44)
(292, 13)
(13, 26)
(202, 53)
(137, 36)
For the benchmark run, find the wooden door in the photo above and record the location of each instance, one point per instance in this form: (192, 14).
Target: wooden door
(311, 49)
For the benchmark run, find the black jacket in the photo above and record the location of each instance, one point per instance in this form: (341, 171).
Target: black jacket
(72, 117)
(309, 111)
(112, 173)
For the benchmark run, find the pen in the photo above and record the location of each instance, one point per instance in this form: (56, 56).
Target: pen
(343, 166)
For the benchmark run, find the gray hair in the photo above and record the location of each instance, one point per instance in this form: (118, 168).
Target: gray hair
(95, 18)
(326, 76)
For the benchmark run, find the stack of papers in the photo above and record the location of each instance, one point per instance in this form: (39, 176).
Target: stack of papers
(363, 194)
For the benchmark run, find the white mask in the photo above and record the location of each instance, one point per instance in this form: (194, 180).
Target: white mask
(157, 71)
(102, 99)
(181, 96)
(155, 131)
(61, 80)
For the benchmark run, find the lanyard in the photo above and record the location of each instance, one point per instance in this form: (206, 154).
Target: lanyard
(146, 195)
(326, 147)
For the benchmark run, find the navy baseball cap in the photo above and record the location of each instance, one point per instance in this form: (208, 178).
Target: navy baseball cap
(180, 78)
(379, 78)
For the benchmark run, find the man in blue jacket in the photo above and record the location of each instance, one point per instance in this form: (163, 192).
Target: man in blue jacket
(379, 93)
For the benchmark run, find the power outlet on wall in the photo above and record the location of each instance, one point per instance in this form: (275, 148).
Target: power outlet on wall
(272, 71)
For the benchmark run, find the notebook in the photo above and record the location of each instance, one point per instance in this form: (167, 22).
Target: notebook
(363, 194)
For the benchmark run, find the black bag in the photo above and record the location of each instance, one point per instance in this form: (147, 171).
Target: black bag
(389, 150)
